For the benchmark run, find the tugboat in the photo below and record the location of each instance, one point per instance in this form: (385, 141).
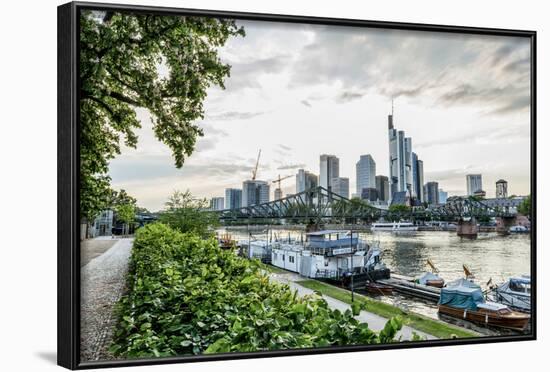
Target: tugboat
(516, 293)
(464, 299)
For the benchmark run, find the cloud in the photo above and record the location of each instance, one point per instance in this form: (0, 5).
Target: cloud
(291, 166)
(234, 115)
(246, 74)
(123, 169)
(488, 72)
(488, 136)
(305, 103)
(346, 97)
(284, 147)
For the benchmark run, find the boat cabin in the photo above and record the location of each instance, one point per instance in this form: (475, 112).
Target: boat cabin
(327, 254)
(520, 284)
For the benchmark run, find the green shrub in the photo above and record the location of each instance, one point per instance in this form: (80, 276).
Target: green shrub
(187, 296)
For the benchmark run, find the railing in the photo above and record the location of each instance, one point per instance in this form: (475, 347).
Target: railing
(327, 274)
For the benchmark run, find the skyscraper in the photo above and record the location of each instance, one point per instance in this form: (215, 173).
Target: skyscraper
(400, 159)
(502, 189)
(417, 178)
(370, 194)
(305, 180)
(329, 170)
(432, 193)
(473, 183)
(233, 198)
(383, 187)
(216, 203)
(340, 186)
(255, 192)
(420, 180)
(365, 171)
(443, 196)
(277, 194)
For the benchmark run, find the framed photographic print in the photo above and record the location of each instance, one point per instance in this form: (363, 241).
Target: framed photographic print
(238, 185)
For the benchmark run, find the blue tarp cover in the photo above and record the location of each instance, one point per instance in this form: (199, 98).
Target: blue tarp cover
(462, 294)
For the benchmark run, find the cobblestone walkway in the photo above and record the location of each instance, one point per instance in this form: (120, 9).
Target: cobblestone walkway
(102, 285)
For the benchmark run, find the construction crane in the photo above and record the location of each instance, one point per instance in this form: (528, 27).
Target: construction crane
(278, 193)
(279, 179)
(255, 171)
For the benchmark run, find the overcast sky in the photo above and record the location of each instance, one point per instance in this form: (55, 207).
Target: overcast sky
(298, 91)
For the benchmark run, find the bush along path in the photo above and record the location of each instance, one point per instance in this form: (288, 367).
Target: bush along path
(187, 296)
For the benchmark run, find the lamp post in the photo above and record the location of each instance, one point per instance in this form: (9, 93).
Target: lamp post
(352, 268)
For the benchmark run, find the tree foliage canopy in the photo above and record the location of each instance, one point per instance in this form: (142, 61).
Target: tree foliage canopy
(164, 64)
(525, 206)
(188, 214)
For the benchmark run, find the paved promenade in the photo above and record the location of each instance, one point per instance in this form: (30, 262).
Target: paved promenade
(375, 322)
(102, 284)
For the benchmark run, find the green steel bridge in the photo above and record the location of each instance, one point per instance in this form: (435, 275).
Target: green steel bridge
(319, 205)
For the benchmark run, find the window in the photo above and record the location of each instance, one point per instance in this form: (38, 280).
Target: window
(283, 257)
(291, 259)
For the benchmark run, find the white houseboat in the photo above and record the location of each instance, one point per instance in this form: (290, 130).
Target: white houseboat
(325, 254)
(257, 248)
(394, 226)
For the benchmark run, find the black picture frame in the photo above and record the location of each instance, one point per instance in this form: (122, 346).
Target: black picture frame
(68, 253)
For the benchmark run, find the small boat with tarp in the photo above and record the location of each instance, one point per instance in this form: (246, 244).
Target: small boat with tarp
(431, 279)
(515, 292)
(464, 299)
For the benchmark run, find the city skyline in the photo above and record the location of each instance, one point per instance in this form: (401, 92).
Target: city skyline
(299, 105)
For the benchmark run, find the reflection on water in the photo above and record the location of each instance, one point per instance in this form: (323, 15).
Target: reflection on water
(488, 256)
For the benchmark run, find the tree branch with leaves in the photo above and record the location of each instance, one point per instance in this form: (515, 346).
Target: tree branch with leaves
(164, 64)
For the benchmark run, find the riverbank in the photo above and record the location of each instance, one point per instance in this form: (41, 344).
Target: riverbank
(354, 227)
(375, 321)
(419, 322)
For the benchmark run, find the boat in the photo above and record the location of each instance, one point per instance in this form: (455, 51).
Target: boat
(226, 242)
(464, 299)
(394, 226)
(327, 254)
(518, 229)
(378, 289)
(431, 280)
(515, 292)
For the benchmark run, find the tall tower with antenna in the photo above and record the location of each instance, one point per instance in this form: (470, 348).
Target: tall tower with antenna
(400, 159)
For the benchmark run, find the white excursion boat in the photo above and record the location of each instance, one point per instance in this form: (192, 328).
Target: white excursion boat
(394, 226)
(516, 293)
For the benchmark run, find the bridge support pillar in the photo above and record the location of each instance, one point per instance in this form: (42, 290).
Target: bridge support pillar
(467, 229)
(504, 224)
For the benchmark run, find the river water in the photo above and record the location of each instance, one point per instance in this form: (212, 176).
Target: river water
(490, 256)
